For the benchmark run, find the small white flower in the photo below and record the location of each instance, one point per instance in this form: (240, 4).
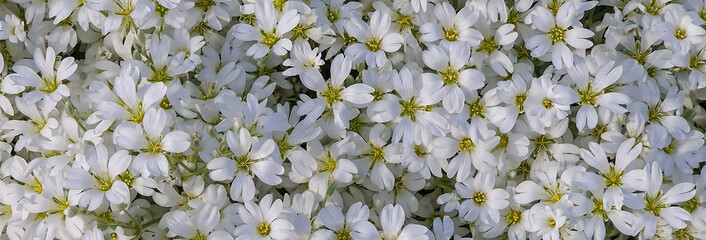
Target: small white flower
(269, 30)
(557, 32)
(482, 202)
(149, 139)
(374, 39)
(103, 179)
(247, 158)
(263, 221)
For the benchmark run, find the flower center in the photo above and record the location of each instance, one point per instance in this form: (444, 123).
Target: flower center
(263, 229)
(598, 208)
(547, 103)
(205, 4)
(680, 33)
(161, 10)
(49, 84)
(504, 139)
(103, 182)
(520, 101)
(154, 145)
(199, 236)
(465, 145)
(450, 34)
(332, 15)
(160, 75)
(449, 76)
(279, 4)
(35, 186)
(327, 164)
(419, 151)
(654, 114)
(479, 198)
(343, 234)
(557, 34)
(409, 108)
(377, 95)
(653, 7)
(373, 44)
(513, 217)
(332, 94)
(588, 96)
(375, 153)
(684, 233)
(613, 178)
(269, 38)
(691, 205)
(127, 178)
(5, 211)
(283, 146)
(553, 194)
(654, 204)
(488, 45)
(551, 222)
(244, 163)
(669, 149)
(476, 109)
(299, 32)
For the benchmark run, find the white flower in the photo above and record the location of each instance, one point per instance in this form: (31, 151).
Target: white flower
(269, 30)
(48, 86)
(412, 109)
(339, 226)
(149, 139)
(592, 93)
(246, 159)
(13, 29)
(104, 180)
(452, 26)
(449, 62)
(655, 204)
(195, 224)
(374, 39)
(548, 101)
(493, 42)
(557, 32)
(679, 31)
(473, 143)
(615, 177)
(263, 221)
(303, 58)
(546, 222)
(333, 96)
(393, 227)
(482, 202)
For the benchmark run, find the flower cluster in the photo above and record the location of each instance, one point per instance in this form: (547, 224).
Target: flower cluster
(334, 119)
